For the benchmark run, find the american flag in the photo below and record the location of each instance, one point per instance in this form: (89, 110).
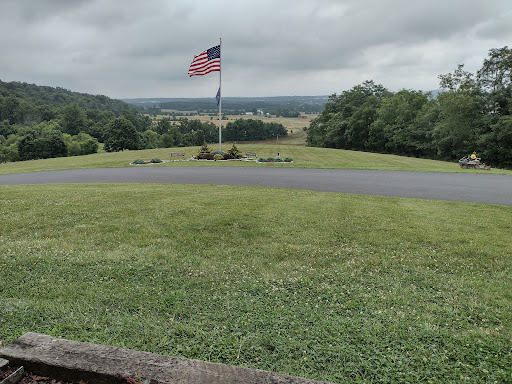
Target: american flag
(206, 62)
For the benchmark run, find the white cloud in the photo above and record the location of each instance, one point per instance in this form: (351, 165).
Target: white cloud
(129, 48)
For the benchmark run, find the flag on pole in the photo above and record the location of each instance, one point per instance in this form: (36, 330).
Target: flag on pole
(218, 97)
(206, 62)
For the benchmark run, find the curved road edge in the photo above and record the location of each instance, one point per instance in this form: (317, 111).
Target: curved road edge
(466, 187)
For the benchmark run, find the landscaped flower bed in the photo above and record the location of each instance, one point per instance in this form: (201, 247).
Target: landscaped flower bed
(275, 160)
(142, 162)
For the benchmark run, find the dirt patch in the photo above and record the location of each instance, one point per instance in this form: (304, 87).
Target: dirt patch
(30, 378)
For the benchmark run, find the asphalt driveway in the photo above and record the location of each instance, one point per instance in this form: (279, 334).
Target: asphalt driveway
(468, 187)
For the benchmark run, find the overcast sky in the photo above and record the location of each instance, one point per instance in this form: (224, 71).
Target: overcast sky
(143, 48)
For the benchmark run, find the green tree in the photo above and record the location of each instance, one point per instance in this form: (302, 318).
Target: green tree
(121, 134)
(42, 141)
(347, 118)
(495, 78)
(497, 144)
(395, 130)
(99, 120)
(81, 144)
(74, 119)
(6, 128)
(14, 109)
(163, 126)
(166, 141)
(150, 139)
(462, 117)
(425, 122)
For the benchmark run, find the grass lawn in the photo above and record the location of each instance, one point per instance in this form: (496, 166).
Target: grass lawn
(303, 157)
(329, 286)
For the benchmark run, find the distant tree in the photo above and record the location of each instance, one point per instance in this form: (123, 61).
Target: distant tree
(395, 128)
(14, 109)
(139, 122)
(99, 120)
(88, 144)
(163, 126)
(8, 152)
(495, 77)
(6, 128)
(166, 141)
(462, 117)
(81, 144)
(150, 139)
(497, 143)
(251, 129)
(74, 119)
(121, 134)
(425, 123)
(41, 142)
(46, 112)
(346, 120)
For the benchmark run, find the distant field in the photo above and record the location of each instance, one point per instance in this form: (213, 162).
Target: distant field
(292, 124)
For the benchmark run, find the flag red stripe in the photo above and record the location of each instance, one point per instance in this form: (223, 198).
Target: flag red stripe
(204, 64)
(201, 65)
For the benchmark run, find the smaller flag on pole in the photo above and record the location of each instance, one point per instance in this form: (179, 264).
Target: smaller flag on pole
(206, 62)
(218, 97)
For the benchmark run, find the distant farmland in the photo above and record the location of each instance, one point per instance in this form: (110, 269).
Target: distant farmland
(292, 124)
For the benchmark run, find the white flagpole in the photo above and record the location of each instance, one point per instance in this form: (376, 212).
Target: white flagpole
(220, 98)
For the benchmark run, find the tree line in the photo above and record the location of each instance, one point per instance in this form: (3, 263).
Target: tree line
(32, 129)
(251, 129)
(286, 106)
(472, 113)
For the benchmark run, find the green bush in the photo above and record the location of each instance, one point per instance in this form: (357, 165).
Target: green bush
(288, 160)
(156, 160)
(139, 161)
(235, 152)
(204, 152)
(218, 156)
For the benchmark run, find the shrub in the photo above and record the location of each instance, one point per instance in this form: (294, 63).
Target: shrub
(208, 156)
(204, 151)
(288, 160)
(139, 161)
(219, 153)
(156, 160)
(218, 156)
(228, 156)
(235, 152)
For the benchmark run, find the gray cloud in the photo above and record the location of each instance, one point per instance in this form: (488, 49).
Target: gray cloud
(129, 48)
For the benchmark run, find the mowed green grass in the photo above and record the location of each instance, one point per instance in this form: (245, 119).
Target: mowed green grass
(303, 157)
(328, 286)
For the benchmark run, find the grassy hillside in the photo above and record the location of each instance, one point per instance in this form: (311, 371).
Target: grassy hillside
(304, 157)
(329, 286)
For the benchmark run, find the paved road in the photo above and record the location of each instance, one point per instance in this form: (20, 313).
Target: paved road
(469, 187)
